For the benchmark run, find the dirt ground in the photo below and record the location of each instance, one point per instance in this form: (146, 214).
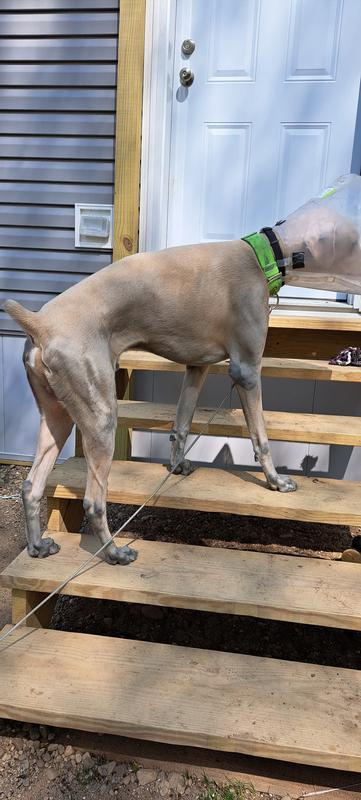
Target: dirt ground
(37, 763)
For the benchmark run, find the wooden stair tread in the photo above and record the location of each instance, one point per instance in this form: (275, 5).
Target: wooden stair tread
(316, 500)
(264, 707)
(304, 369)
(282, 426)
(325, 321)
(288, 588)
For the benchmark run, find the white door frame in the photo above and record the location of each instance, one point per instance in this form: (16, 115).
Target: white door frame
(157, 117)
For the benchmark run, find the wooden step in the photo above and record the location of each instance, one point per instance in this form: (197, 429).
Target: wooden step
(316, 500)
(304, 590)
(223, 701)
(281, 426)
(309, 320)
(301, 368)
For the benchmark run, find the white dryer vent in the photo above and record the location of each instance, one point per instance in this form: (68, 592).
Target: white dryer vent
(94, 226)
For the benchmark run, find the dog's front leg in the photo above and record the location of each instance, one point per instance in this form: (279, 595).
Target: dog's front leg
(192, 384)
(248, 383)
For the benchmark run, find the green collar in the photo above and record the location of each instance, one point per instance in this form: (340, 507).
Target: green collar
(266, 259)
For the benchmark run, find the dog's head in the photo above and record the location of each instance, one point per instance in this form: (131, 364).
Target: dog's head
(327, 239)
(327, 231)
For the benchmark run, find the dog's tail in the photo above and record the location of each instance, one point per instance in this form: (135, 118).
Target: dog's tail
(28, 320)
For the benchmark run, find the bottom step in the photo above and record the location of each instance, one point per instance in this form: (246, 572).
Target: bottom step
(258, 706)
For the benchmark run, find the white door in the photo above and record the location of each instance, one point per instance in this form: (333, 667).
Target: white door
(270, 117)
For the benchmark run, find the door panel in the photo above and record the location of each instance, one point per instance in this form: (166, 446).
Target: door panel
(306, 145)
(314, 40)
(222, 213)
(237, 61)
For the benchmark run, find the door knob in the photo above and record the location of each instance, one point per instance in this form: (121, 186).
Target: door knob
(186, 76)
(188, 47)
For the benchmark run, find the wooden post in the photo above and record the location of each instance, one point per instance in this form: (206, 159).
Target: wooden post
(64, 514)
(79, 452)
(128, 136)
(24, 601)
(128, 129)
(123, 436)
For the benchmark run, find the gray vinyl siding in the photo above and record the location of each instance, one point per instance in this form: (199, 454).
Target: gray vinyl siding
(19, 416)
(66, 124)
(58, 5)
(57, 125)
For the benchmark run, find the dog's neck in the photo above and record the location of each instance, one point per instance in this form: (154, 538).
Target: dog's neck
(287, 256)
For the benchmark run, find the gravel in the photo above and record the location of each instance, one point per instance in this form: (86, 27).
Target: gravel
(34, 769)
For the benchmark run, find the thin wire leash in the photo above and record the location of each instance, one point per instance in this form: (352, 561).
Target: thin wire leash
(130, 519)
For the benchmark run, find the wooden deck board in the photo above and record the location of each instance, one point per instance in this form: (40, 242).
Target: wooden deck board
(298, 368)
(325, 321)
(265, 707)
(292, 589)
(281, 426)
(316, 500)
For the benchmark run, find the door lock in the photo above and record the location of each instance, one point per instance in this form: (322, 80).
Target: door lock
(188, 47)
(186, 76)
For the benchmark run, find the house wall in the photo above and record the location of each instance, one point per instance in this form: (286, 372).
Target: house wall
(58, 67)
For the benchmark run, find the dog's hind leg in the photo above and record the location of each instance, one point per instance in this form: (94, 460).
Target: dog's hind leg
(98, 436)
(248, 383)
(192, 384)
(85, 383)
(55, 427)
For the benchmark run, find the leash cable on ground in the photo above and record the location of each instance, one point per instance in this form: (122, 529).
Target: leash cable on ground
(89, 561)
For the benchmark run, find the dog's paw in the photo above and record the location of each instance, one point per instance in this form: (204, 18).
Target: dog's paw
(286, 484)
(120, 555)
(185, 468)
(47, 548)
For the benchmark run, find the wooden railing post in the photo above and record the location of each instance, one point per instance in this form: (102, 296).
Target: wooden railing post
(123, 436)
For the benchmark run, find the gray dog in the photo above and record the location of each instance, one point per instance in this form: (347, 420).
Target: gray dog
(195, 305)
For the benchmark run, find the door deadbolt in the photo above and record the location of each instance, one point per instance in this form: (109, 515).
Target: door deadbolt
(186, 76)
(188, 47)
